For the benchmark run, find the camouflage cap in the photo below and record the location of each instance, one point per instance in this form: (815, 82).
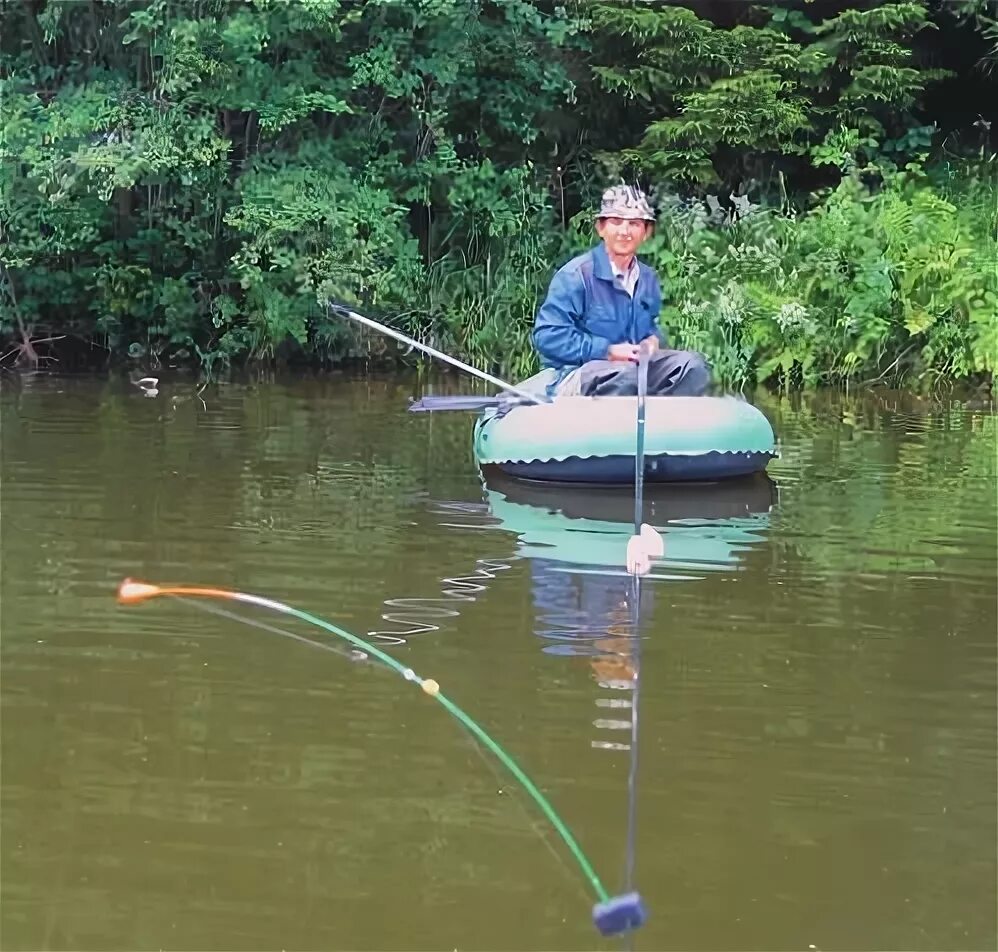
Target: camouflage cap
(625, 201)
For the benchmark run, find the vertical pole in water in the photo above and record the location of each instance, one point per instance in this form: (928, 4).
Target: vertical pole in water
(626, 912)
(639, 484)
(639, 455)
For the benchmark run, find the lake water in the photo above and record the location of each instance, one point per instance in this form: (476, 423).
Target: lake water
(817, 664)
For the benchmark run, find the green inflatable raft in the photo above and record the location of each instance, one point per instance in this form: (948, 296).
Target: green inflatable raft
(591, 439)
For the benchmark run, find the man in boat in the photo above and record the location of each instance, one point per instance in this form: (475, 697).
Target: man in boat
(602, 305)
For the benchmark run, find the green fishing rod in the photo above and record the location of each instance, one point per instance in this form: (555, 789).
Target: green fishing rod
(612, 915)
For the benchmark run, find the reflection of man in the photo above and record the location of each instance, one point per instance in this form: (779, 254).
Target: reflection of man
(582, 613)
(586, 614)
(615, 666)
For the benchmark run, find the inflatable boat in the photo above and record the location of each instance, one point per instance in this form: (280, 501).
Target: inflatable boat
(582, 439)
(578, 439)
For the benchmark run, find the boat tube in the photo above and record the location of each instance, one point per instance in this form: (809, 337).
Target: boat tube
(579, 439)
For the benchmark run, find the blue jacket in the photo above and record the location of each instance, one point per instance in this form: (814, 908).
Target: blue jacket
(584, 313)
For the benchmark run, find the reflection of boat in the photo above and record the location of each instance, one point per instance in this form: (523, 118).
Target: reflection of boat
(583, 534)
(725, 499)
(705, 526)
(586, 605)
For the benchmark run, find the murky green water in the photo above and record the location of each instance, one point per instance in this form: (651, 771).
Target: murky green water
(818, 681)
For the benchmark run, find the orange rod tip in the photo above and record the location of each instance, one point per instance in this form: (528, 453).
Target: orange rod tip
(131, 592)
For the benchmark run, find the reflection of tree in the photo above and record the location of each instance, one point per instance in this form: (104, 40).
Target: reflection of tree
(885, 483)
(321, 469)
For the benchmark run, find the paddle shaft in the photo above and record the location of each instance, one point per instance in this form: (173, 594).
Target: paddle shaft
(433, 352)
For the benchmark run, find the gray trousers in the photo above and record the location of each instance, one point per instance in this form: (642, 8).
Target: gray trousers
(674, 373)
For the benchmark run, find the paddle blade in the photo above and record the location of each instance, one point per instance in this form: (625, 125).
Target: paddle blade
(457, 402)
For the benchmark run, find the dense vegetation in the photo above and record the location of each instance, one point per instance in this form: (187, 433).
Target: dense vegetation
(192, 179)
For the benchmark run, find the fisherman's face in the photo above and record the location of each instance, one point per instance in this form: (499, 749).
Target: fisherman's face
(623, 236)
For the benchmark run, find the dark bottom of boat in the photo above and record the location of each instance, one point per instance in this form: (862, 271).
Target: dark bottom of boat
(620, 469)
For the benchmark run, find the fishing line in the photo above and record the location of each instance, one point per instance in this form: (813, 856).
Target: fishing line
(531, 820)
(612, 915)
(353, 654)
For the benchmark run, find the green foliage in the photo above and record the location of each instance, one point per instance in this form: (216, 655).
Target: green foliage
(202, 176)
(310, 231)
(194, 179)
(481, 297)
(759, 98)
(884, 282)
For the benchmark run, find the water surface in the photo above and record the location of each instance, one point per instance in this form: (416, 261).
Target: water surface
(817, 667)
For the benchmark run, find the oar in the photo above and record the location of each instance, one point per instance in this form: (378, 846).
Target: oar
(435, 402)
(646, 543)
(433, 352)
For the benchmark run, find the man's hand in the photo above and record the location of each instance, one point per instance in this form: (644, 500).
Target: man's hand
(629, 352)
(622, 352)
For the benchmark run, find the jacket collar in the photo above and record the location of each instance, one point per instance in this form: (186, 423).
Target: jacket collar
(601, 263)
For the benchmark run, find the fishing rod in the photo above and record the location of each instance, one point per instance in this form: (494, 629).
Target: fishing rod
(439, 354)
(612, 915)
